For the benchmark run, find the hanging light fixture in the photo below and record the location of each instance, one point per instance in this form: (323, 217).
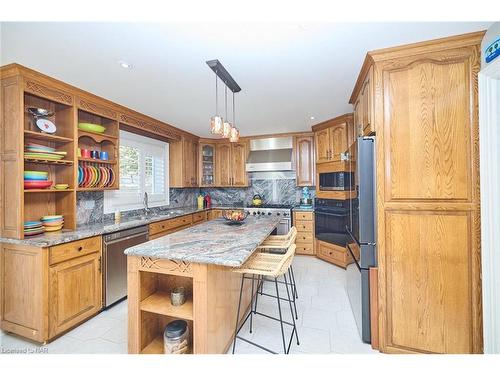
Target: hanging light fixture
(234, 135)
(226, 128)
(216, 122)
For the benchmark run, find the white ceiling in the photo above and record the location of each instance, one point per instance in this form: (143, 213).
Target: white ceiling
(288, 72)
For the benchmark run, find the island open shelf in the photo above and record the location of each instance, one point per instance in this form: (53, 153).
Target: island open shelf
(210, 308)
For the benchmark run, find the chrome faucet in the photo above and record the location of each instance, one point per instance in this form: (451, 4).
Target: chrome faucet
(145, 202)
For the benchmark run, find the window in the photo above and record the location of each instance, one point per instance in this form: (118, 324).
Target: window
(143, 169)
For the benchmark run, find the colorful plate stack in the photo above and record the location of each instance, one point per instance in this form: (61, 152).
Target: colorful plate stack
(36, 180)
(90, 176)
(37, 151)
(33, 227)
(52, 223)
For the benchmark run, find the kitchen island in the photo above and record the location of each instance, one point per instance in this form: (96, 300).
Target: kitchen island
(200, 259)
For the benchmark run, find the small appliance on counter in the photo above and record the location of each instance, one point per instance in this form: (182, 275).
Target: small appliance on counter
(257, 200)
(306, 201)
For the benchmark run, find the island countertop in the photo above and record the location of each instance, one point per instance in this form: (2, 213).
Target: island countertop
(212, 242)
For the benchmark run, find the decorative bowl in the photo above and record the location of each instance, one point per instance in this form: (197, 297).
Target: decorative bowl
(93, 128)
(235, 217)
(37, 184)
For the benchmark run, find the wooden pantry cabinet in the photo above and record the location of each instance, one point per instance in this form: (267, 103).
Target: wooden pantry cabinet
(331, 138)
(48, 291)
(425, 116)
(363, 107)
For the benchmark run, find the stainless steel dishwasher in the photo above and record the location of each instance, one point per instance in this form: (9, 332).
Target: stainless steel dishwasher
(115, 262)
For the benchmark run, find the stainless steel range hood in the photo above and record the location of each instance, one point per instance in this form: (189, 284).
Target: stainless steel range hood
(270, 154)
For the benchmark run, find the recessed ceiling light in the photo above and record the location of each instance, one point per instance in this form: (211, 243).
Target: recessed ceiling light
(312, 117)
(125, 65)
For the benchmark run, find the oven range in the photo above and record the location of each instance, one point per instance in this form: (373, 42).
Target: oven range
(283, 211)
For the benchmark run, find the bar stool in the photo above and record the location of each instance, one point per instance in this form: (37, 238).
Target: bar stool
(278, 244)
(262, 265)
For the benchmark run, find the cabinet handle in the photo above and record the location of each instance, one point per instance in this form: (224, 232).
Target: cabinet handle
(163, 227)
(80, 248)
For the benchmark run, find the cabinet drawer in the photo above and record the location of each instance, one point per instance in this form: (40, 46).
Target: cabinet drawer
(331, 254)
(74, 249)
(304, 226)
(170, 224)
(199, 216)
(305, 248)
(304, 237)
(305, 215)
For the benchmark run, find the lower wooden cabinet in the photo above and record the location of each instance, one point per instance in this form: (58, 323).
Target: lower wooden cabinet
(214, 214)
(304, 222)
(47, 291)
(75, 292)
(335, 254)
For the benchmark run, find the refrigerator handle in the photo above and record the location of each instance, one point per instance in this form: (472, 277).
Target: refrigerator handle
(353, 257)
(356, 240)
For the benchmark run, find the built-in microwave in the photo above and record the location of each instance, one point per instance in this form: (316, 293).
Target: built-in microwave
(336, 181)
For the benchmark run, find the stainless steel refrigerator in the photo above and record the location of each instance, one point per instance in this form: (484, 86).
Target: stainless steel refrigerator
(362, 233)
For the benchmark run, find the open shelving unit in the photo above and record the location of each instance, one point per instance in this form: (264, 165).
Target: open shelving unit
(157, 311)
(107, 141)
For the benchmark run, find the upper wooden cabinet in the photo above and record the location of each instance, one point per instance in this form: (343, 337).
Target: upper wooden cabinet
(331, 138)
(230, 161)
(363, 107)
(206, 167)
(183, 163)
(421, 102)
(304, 160)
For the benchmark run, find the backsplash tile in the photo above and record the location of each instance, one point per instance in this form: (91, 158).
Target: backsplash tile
(90, 205)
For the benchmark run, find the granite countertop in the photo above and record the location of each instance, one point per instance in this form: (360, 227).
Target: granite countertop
(212, 242)
(51, 239)
(308, 209)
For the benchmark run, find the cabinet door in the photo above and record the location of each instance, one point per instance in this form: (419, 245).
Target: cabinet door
(238, 164)
(187, 164)
(207, 165)
(304, 160)
(338, 136)
(322, 141)
(223, 164)
(75, 292)
(367, 104)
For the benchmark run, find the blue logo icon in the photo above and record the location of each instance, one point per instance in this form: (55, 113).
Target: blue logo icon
(492, 51)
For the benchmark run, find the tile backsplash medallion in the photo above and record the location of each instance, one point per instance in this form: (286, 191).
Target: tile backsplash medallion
(90, 205)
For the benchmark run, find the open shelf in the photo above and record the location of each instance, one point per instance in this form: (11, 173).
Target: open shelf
(98, 137)
(98, 161)
(30, 134)
(96, 188)
(47, 190)
(48, 161)
(160, 303)
(156, 347)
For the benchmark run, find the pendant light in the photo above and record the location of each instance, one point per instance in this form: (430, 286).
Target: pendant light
(234, 135)
(226, 128)
(216, 122)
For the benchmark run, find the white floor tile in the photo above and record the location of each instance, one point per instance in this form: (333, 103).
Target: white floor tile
(325, 325)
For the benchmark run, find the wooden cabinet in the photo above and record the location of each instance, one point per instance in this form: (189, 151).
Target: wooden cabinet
(164, 227)
(424, 101)
(183, 163)
(363, 107)
(335, 254)
(230, 164)
(304, 160)
(214, 214)
(304, 222)
(331, 138)
(48, 291)
(75, 292)
(206, 165)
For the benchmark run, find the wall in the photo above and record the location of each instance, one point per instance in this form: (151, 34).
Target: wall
(492, 34)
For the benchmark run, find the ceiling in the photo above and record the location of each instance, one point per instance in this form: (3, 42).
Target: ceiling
(288, 72)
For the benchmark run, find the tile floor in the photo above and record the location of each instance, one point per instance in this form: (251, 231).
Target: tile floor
(325, 324)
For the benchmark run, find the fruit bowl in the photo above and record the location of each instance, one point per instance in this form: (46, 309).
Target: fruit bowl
(234, 217)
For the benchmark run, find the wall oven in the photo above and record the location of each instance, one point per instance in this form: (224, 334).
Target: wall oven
(331, 217)
(336, 181)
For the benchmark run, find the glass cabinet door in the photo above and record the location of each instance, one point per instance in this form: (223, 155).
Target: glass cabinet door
(207, 165)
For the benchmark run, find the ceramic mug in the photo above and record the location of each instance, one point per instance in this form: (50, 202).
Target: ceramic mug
(103, 155)
(85, 153)
(94, 154)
